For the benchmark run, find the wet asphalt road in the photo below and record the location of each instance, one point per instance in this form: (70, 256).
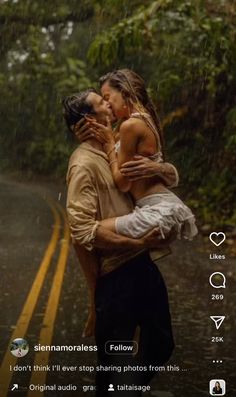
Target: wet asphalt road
(25, 230)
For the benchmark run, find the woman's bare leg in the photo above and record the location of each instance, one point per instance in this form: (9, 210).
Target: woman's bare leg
(109, 224)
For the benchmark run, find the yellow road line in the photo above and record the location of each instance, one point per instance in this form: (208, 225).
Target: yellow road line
(29, 306)
(46, 334)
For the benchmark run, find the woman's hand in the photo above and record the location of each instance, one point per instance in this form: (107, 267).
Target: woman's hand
(104, 133)
(84, 130)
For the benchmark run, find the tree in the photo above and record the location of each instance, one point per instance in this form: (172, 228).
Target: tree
(185, 50)
(187, 53)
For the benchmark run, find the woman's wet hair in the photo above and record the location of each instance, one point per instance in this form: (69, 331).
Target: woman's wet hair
(76, 106)
(133, 89)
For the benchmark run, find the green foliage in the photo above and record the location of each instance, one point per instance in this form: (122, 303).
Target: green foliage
(48, 154)
(185, 50)
(33, 87)
(130, 32)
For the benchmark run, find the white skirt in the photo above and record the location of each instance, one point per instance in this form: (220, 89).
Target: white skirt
(164, 211)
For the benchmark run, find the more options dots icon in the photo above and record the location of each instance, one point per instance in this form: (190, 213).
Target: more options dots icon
(217, 387)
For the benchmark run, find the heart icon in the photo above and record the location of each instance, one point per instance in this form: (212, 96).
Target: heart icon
(217, 238)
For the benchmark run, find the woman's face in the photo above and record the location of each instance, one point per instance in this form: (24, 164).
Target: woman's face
(116, 101)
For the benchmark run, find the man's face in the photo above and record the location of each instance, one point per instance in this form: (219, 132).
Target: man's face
(101, 108)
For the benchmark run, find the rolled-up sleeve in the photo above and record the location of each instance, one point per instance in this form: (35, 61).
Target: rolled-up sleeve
(175, 181)
(82, 204)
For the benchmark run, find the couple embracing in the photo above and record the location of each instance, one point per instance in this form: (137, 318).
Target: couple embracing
(122, 216)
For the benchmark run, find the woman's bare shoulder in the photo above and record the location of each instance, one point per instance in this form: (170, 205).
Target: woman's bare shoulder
(134, 125)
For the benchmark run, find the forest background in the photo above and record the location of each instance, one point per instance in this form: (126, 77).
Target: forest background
(186, 52)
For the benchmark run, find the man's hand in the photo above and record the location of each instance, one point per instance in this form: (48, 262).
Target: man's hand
(83, 130)
(139, 168)
(143, 167)
(153, 239)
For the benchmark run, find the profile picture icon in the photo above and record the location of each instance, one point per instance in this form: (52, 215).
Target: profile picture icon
(19, 347)
(217, 387)
(111, 387)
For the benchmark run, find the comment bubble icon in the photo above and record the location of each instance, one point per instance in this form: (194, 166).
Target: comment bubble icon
(217, 280)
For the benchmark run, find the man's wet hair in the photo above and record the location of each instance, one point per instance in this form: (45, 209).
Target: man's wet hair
(76, 106)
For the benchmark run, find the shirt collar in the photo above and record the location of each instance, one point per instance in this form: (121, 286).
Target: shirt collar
(87, 147)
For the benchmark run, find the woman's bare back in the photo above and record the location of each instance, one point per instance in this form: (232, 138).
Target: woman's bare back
(139, 138)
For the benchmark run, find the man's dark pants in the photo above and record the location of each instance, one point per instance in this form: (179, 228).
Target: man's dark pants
(130, 296)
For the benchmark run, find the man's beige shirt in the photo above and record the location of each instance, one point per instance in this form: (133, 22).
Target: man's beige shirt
(93, 196)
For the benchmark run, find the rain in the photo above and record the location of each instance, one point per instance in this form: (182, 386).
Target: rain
(185, 51)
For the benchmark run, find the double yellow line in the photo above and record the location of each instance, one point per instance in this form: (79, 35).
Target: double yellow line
(23, 322)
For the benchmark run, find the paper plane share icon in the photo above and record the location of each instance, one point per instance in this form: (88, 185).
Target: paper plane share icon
(218, 320)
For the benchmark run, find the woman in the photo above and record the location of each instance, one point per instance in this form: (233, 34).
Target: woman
(139, 133)
(217, 389)
(76, 108)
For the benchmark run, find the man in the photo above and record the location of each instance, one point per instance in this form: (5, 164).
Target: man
(130, 292)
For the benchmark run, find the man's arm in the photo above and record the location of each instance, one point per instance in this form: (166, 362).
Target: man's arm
(110, 241)
(139, 168)
(82, 205)
(142, 167)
